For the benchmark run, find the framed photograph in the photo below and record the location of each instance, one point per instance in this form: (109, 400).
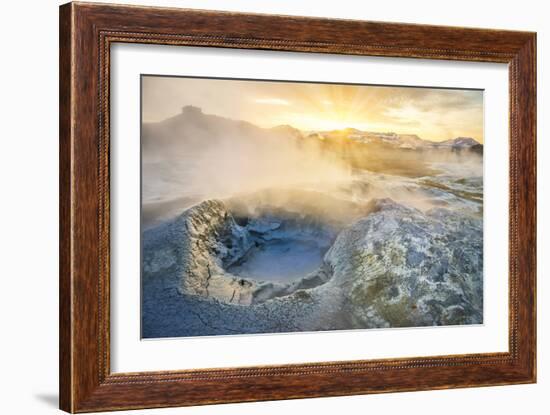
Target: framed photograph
(258, 207)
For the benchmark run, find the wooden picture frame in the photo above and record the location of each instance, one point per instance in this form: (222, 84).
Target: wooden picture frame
(86, 33)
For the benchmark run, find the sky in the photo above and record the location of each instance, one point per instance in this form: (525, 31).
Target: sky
(431, 113)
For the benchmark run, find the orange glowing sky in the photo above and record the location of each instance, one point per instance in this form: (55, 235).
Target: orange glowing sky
(431, 113)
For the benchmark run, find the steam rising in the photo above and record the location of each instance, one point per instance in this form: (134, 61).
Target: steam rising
(194, 157)
(204, 156)
(244, 166)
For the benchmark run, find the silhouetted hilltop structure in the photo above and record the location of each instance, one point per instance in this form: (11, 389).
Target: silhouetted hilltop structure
(191, 110)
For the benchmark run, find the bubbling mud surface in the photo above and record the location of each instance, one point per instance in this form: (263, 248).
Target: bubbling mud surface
(280, 261)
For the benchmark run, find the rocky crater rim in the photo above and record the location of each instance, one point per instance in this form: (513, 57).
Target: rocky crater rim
(248, 256)
(241, 258)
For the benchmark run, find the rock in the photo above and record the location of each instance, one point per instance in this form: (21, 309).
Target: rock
(407, 268)
(196, 247)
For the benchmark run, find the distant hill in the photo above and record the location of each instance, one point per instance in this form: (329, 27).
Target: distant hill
(194, 131)
(288, 130)
(191, 131)
(194, 154)
(192, 127)
(401, 154)
(403, 141)
(192, 135)
(459, 142)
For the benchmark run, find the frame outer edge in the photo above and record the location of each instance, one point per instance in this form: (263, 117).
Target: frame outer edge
(81, 195)
(66, 120)
(82, 387)
(523, 115)
(528, 188)
(534, 260)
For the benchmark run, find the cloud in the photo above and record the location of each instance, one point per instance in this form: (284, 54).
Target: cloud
(427, 100)
(271, 101)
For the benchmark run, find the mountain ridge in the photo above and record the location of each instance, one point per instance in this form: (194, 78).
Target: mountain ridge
(193, 116)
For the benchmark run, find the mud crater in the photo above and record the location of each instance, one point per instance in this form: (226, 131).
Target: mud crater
(285, 247)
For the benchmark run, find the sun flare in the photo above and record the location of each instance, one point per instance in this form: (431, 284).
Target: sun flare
(431, 113)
